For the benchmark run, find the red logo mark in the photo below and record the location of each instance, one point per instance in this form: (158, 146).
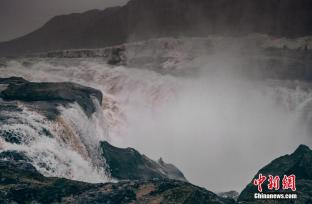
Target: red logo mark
(274, 182)
(288, 182)
(258, 182)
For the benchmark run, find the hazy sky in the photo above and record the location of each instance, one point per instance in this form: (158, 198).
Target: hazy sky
(19, 17)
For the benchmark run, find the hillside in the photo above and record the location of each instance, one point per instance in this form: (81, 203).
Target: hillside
(145, 19)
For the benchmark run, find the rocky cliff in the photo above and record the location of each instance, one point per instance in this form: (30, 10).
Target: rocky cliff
(130, 164)
(145, 19)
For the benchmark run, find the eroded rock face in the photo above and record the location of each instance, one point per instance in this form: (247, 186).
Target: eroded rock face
(49, 94)
(299, 163)
(13, 80)
(21, 183)
(129, 164)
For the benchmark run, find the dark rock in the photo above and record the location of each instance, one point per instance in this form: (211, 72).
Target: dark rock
(145, 19)
(117, 56)
(21, 183)
(13, 156)
(299, 163)
(12, 80)
(49, 95)
(129, 164)
(8, 136)
(18, 170)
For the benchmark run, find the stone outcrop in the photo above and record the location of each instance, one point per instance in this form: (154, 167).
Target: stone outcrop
(21, 183)
(129, 164)
(50, 94)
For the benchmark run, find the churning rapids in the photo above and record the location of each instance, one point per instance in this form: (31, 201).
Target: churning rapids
(218, 127)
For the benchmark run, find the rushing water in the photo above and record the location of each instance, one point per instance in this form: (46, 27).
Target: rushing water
(217, 128)
(67, 147)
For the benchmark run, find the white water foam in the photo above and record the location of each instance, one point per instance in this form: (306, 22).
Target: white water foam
(57, 149)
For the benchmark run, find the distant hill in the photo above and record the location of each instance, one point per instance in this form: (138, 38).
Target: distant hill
(145, 19)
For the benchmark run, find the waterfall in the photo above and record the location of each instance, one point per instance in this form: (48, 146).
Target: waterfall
(67, 147)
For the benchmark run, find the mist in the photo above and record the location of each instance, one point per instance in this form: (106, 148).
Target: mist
(219, 127)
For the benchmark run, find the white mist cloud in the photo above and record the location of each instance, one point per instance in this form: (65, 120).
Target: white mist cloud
(220, 129)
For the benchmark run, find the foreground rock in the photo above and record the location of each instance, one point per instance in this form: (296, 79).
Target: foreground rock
(21, 183)
(299, 163)
(53, 93)
(130, 164)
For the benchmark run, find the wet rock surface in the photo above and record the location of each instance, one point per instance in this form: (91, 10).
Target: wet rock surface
(129, 164)
(21, 183)
(48, 95)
